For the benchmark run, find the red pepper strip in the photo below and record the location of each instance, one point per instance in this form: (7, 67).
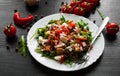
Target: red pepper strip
(21, 21)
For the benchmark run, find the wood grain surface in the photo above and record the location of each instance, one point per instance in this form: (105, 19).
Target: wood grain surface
(13, 64)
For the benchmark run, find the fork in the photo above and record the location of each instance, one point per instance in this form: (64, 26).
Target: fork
(86, 57)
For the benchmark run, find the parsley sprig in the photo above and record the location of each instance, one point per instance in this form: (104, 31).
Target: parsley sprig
(22, 46)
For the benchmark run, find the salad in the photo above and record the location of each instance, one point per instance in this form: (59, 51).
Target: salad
(65, 41)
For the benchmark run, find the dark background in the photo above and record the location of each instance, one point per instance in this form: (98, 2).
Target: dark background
(13, 64)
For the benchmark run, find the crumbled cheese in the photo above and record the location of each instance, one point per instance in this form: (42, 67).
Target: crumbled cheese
(57, 57)
(84, 44)
(69, 48)
(42, 40)
(65, 24)
(62, 34)
(48, 32)
(49, 25)
(63, 39)
(61, 44)
(81, 48)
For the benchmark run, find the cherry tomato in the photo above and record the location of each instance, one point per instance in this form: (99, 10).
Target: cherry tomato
(66, 9)
(10, 31)
(70, 9)
(73, 3)
(112, 28)
(79, 11)
(93, 2)
(87, 6)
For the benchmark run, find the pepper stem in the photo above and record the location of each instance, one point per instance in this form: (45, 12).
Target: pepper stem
(8, 27)
(15, 10)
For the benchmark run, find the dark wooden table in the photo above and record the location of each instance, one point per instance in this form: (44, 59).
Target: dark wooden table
(13, 64)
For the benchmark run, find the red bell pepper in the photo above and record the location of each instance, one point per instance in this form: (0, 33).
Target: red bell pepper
(21, 21)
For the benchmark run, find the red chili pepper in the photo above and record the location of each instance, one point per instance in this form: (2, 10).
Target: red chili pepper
(21, 21)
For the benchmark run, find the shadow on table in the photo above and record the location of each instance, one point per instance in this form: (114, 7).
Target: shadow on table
(110, 38)
(51, 72)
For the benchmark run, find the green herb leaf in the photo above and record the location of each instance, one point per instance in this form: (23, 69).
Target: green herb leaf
(62, 19)
(51, 22)
(101, 15)
(82, 24)
(23, 46)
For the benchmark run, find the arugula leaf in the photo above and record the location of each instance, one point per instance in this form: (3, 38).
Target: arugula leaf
(23, 46)
(51, 22)
(82, 24)
(62, 19)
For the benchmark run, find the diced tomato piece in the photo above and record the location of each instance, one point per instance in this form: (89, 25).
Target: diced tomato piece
(72, 24)
(68, 38)
(57, 37)
(58, 32)
(82, 39)
(78, 40)
(62, 59)
(65, 30)
(62, 26)
(51, 41)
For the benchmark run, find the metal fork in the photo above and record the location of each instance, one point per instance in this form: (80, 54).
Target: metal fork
(86, 57)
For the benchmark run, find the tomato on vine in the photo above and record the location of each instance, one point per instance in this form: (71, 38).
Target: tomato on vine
(79, 11)
(112, 27)
(66, 9)
(93, 2)
(87, 6)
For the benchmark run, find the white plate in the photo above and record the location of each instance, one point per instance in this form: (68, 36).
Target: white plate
(94, 54)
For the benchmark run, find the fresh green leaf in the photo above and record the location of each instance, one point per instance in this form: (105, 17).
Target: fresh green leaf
(23, 46)
(51, 22)
(41, 31)
(82, 24)
(62, 19)
(101, 15)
